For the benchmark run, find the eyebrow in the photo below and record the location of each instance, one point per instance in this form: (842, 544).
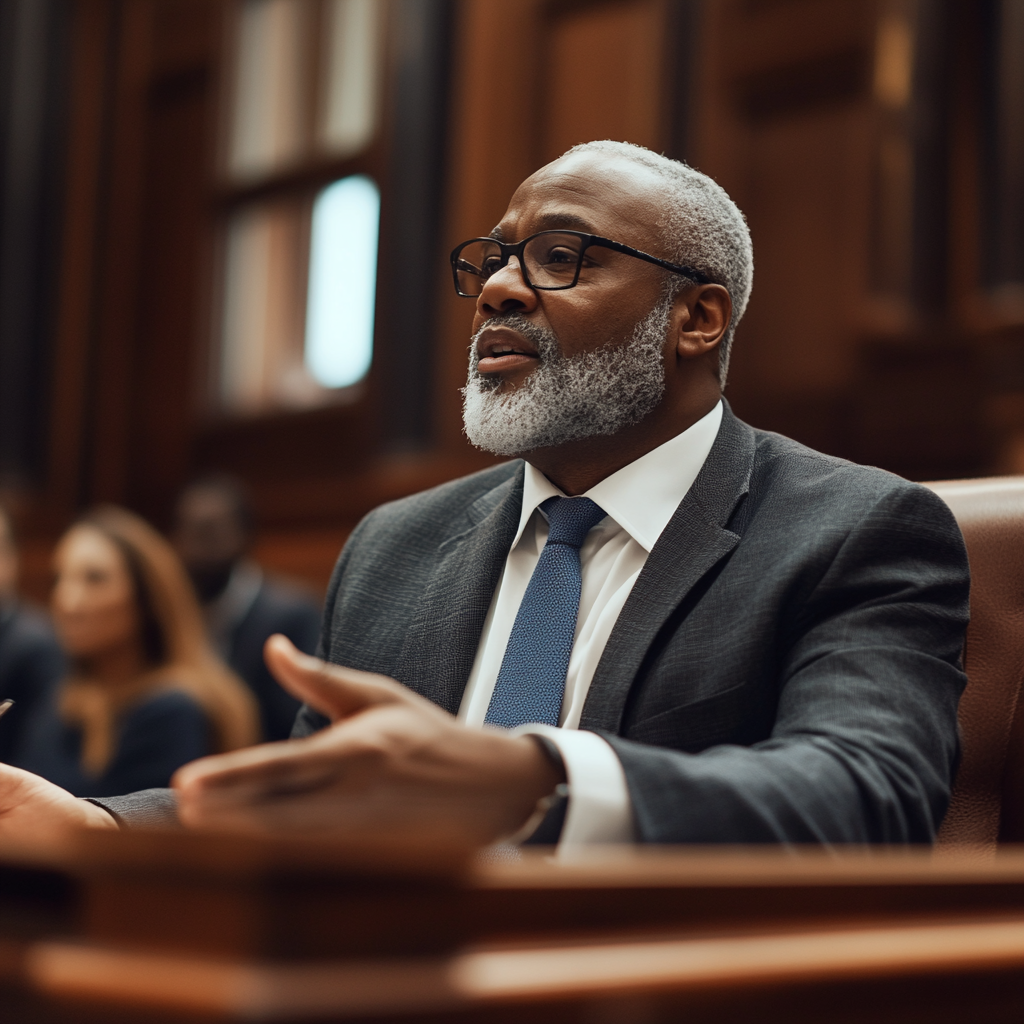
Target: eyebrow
(549, 221)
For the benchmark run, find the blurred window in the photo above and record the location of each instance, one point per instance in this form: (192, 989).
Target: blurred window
(342, 282)
(302, 207)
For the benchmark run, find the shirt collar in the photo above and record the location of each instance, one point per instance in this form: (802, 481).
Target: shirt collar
(643, 496)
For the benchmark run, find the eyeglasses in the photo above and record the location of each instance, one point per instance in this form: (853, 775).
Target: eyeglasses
(549, 260)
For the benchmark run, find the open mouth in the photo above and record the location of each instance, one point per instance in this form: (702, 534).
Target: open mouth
(500, 349)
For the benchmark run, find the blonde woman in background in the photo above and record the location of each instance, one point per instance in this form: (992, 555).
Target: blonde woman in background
(146, 693)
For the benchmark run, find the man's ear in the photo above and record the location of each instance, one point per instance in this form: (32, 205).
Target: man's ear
(704, 313)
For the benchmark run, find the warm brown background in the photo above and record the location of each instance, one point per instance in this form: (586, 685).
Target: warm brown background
(861, 138)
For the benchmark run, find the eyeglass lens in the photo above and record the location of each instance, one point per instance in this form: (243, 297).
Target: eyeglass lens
(550, 261)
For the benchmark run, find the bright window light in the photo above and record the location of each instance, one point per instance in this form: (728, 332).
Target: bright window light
(342, 282)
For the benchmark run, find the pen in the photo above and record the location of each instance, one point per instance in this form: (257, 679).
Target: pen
(5, 706)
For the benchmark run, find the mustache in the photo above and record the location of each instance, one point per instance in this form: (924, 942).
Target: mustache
(542, 338)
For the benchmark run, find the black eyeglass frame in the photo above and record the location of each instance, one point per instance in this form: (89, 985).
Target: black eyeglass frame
(510, 249)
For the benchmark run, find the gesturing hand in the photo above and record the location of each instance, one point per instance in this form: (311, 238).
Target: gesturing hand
(390, 762)
(32, 808)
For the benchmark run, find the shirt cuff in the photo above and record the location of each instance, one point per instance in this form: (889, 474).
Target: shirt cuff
(599, 806)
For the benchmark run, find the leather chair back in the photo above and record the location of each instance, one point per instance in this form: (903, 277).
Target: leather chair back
(988, 797)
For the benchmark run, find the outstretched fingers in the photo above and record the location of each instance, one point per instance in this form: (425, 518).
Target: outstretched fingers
(331, 689)
(269, 769)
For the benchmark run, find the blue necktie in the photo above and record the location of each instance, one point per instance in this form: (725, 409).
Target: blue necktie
(531, 682)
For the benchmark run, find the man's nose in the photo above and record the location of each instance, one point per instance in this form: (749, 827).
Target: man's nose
(506, 291)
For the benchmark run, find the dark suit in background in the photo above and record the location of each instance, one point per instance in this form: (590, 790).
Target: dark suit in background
(251, 609)
(213, 532)
(31, 668)
(277, 609)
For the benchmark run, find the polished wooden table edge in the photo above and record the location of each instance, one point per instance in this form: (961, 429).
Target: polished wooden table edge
(494, 976)
(760, 867)
(238, 857)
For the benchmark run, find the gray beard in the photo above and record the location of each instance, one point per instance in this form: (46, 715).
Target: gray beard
(567, 398)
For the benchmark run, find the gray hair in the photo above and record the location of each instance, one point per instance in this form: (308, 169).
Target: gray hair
(703, 229)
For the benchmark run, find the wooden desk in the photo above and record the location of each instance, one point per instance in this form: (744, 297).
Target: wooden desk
(177, 927)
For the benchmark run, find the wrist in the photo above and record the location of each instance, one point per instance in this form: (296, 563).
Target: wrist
(94, 816)
(548, 769)
(539, 774)
(543, 827)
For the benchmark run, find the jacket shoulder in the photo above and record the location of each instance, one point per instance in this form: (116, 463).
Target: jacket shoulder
(783, 457)
(438, 506)
(389, 558)
(395, 536)
(811, 483)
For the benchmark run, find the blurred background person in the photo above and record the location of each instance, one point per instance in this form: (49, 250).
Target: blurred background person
(31, 662)
(145, 694)
(212, 532)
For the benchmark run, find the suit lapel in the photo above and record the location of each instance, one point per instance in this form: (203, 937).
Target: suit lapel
(692, 543)
(441, 643)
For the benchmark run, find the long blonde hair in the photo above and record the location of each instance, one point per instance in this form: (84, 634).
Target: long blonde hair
(174, 639)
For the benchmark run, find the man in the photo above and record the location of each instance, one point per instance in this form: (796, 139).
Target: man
(31, 663)
(711, 634)
(212, 532)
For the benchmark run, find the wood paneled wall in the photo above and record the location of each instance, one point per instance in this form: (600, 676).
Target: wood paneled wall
(870, 333)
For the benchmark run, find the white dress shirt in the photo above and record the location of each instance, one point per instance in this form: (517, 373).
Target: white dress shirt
(639, 500)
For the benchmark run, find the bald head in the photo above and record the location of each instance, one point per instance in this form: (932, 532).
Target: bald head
(624, 182)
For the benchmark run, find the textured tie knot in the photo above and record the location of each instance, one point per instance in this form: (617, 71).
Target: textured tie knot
(571, 519)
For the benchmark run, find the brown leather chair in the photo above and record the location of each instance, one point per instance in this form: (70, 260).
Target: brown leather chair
(988, 797)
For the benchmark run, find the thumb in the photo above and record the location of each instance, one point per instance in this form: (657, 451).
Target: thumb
(335, 691)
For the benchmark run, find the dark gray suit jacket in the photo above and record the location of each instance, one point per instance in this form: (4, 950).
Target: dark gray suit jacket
(786, 668)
